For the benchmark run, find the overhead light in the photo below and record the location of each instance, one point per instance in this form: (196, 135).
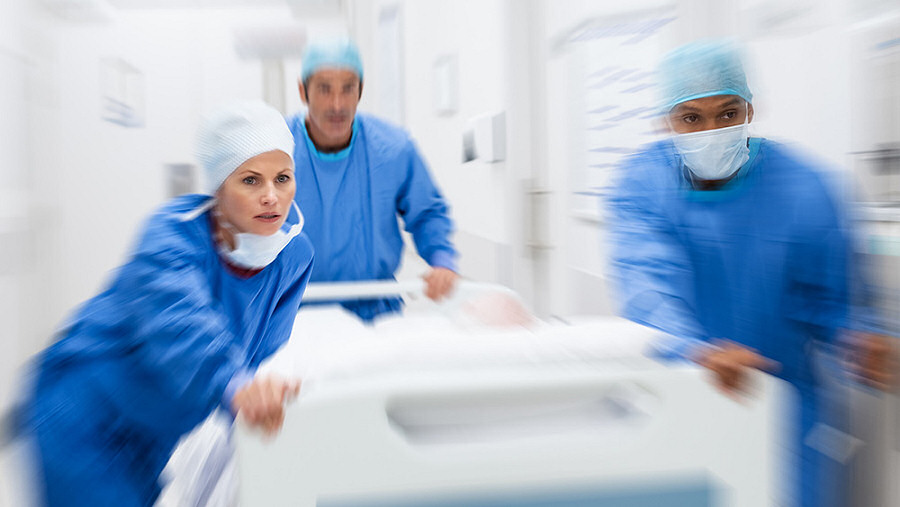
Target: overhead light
(316, 8)
(270, 41)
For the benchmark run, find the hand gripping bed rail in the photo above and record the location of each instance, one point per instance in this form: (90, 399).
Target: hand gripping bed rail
(374, 289)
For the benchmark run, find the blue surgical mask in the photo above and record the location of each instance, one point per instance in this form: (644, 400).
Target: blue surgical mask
(714, 154)
(255, 251)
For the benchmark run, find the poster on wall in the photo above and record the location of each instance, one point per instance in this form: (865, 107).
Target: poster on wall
(121, 93)
(618, 56)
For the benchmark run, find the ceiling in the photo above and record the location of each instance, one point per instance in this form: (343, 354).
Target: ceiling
(191, 4)
(103, 10)
(300, 8)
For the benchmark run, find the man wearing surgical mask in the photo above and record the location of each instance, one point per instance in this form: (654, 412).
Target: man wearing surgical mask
(735, 246)
(712, 138)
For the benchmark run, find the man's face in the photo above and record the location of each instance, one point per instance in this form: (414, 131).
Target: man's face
(709, 113)
(331, 96)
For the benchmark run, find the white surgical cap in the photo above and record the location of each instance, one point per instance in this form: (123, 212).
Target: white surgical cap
(235, 133)
(702, 69)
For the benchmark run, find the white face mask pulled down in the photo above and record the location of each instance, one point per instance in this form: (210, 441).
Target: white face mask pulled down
(714, 154)
(255, 251)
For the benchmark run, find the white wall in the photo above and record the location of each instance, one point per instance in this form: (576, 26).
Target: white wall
(576, 265)
(113, 176)
(22, 38)
(480, 46)
(803, 95)
(481, 35)
(12, 163)
(21, 61)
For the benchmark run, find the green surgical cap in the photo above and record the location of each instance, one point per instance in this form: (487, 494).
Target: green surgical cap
(701, 69)
(341, 53)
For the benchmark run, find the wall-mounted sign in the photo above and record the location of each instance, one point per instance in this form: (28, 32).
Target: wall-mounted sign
(121, 93)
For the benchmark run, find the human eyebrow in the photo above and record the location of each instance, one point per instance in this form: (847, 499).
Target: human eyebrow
(731, 103)
(683, 109)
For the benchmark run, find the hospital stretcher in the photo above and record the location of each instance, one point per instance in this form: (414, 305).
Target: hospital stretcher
(534, 414)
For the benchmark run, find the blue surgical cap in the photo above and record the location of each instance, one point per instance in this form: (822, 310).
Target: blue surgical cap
(702, 69)
(341, 53)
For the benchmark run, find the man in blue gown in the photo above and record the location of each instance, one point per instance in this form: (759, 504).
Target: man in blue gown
(736, 247)
(355, 175)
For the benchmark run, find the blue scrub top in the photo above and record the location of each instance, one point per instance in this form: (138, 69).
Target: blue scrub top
(762, 262)
(351, 201)
(150, 357)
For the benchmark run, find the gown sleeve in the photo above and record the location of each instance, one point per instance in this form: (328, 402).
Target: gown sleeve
(182, 354)
(821, 268)
(650, 268)
(425, 213)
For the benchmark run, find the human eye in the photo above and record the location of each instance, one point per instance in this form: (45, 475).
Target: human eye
(249, 180)
(729, 115)
(283, 178)
(690, 118)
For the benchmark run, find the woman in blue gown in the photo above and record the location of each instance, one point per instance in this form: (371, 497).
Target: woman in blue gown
(211, 289)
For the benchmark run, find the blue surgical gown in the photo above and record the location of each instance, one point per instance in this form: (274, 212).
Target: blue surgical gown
(149, 358)
(761, 261)
(351, 200)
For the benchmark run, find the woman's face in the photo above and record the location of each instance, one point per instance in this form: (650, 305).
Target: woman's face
(256, 197)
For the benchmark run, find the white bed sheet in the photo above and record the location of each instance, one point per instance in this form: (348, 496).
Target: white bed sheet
(328, 345)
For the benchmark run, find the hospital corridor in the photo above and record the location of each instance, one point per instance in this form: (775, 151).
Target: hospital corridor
(446, 253)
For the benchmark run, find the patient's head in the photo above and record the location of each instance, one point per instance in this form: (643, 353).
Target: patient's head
(497, 309)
